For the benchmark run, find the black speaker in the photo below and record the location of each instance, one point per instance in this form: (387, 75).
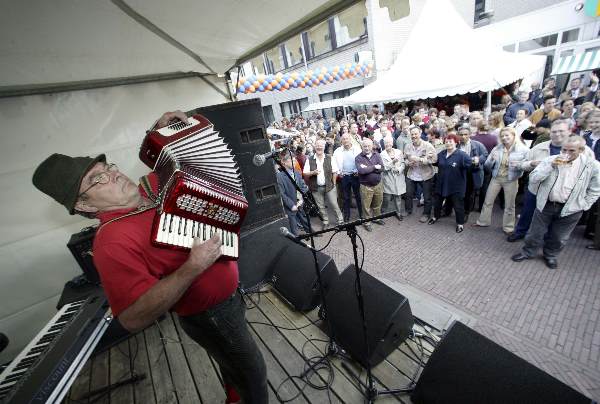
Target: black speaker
(295, 277)
(243, 127)
(259, 249)
(387, 312)
(80, 245)
(467, 367)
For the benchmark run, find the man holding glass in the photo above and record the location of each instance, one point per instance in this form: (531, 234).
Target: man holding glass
(567, 184)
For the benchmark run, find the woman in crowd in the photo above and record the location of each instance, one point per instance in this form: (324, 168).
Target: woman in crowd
(504, 163)
(496, 123)
(451, 182)
(394, 185)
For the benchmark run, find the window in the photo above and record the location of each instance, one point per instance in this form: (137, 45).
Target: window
(542, 42)
(570, 36)
(319, 39)
(268, 114)
(396, 8)
(509, 48)
(567, 52)
(349, 25)
(293, 51)
(258, 66)
(293, 107)
(330, 112)
(479, 9)
(275, 61)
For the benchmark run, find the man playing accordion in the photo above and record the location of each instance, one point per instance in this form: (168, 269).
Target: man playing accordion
(143, 281)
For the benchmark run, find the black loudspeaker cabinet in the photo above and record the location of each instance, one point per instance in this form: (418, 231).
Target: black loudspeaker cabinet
(387, 312)
(242, 126)
(295, 278)
(259, 249)
(467, 367)
(80, 245)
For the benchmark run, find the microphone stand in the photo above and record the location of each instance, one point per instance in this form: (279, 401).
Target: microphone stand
(371, 392)
(310, 207)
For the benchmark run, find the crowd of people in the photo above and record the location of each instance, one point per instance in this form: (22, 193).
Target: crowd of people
(540, 148)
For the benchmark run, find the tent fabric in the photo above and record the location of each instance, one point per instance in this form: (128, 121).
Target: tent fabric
(577, 63)
(67, 41)
(428, 68)
(338, 102)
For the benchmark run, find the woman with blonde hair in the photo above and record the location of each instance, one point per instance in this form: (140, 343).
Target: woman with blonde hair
(496, 123)
(504, 162)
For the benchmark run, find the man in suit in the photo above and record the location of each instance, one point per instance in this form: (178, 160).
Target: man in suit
(292, 200)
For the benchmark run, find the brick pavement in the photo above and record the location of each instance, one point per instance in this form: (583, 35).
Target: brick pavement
(548, 317)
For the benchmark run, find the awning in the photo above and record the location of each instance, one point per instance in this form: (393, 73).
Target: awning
(577, 63)
(445, 71)
(338, 102)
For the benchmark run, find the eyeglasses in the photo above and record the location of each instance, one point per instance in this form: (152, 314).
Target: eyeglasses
(102, 177)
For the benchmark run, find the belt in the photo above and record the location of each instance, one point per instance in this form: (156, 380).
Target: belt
(556, 203)
(348, 175)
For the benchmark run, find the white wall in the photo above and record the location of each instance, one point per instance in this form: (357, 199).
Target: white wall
(34, 260)
(551, 19)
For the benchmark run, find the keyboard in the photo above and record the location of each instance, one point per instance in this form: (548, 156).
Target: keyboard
(178, 231)
(45, 369)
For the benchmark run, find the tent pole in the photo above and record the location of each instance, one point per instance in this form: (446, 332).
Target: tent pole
(488, 106)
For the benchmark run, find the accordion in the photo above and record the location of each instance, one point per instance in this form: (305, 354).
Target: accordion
(200, 190)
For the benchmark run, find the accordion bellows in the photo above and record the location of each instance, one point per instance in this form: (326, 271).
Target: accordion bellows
(200, 189)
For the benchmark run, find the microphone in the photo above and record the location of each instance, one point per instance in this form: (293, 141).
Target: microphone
(260, 159)
(287, 234)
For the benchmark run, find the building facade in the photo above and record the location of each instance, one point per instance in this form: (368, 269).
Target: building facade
(376, 30)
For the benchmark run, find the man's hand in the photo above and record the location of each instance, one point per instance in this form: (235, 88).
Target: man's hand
(363, 166)
(377, 166)
(203, 255)
(294, 208)
(534, 163)
(169, 116)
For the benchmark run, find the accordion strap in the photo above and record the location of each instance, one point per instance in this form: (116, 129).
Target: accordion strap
(145, 183)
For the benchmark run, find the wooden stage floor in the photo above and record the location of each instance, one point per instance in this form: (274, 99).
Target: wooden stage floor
(174, 369)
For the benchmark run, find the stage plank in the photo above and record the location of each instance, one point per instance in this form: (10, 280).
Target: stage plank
(177, 370)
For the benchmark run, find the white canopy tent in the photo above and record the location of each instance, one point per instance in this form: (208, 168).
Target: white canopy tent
(88, 77)
(443, 56)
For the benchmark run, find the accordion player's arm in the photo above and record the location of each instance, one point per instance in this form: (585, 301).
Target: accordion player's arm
(166, 292)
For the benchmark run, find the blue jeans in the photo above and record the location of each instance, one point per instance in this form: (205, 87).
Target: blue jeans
(223, 332)
(350, 185)
(558, 230)
(526, 214)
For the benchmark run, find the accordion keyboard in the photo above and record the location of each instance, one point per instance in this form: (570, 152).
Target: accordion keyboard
(178, 231)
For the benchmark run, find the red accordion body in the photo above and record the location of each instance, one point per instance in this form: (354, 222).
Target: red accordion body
(200, 190)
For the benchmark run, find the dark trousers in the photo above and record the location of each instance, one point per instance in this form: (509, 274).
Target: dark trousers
(297, 219)
(223, 332)
(350, 185)
(487, 177)
(592, 219)
(427, 195)
(457, 203)
(526, 214)
(470, 194)
(558, 230)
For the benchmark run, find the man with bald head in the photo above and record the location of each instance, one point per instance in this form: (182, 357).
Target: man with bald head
(369, 166)
(566, 185)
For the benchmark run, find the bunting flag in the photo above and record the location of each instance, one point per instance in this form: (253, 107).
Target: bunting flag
(310, 78)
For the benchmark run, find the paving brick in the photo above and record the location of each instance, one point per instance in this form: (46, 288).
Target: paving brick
(549, 317)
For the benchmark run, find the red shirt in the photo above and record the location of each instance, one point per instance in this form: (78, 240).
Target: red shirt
(129, 265)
